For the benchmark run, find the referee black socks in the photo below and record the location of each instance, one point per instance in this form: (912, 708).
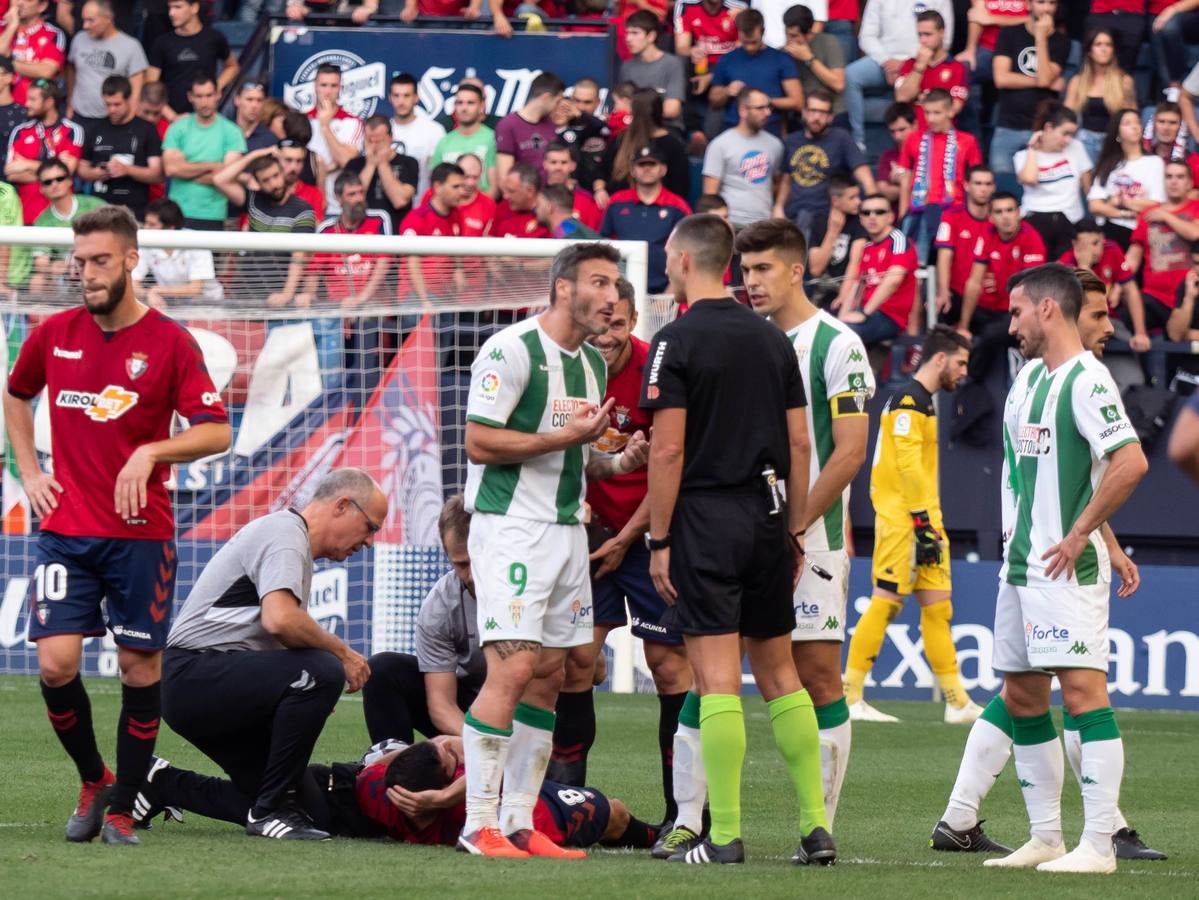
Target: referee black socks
(70, 713)
(574, 733)
(137, 729)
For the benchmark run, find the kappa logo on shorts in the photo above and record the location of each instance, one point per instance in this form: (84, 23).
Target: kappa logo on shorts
(106, 406)
(1078, 648)
(831, 624)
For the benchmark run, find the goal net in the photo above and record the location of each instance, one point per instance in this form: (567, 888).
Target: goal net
(328, 350)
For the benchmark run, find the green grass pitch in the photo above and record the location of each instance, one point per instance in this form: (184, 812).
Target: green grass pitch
(899, 778)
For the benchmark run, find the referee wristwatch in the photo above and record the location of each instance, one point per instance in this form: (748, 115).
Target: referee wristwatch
(653, 543)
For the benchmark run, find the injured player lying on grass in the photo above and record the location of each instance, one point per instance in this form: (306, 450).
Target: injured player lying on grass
(415, 794)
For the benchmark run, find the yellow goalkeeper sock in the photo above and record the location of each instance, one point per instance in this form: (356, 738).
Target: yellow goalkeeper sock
(938, 647)
(867, 640)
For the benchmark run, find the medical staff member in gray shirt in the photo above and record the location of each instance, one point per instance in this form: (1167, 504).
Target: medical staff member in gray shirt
(429, 691)
(249, 677)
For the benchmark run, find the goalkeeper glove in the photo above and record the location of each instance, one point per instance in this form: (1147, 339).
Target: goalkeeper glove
(928, 540)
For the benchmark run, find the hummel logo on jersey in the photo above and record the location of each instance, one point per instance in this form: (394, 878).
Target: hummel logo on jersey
(1078, 648)
(1025, 784)
(1087, 779)
(106, 406)
(831, 624)
(68, 354)
(497, 354)
(1098, 390)
(855, 356)
(304, 683)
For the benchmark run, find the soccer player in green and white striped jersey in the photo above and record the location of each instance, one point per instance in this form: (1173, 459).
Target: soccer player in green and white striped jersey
(534, 408)
(838, 381)
(1071, 459)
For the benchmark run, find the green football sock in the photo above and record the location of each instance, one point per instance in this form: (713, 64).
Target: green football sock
(722, 737)
(798, 739)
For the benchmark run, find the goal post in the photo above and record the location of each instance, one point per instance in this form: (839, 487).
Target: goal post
(367, 370)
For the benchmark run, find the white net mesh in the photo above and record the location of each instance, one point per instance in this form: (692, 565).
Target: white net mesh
(326, 356)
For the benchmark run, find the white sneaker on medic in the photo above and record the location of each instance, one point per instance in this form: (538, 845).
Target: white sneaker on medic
(1031, 855)
(962, 715)
(1082, 859)
(864, 712)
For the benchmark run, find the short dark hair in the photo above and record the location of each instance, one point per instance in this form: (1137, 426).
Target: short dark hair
(709, 240)
(1185, 166)
(799, 16)
(261, 164)
(49, 89)
(780, 235)
(1087, 225)
(378, 120)
(750, 21)
(816, 93)
(981, 167)
(117, 220)
(344, 180)
(942, 339)
(644, 20)
(529, 174)
(937, 95)
(876, 196)
(328, 68)
(1005, 195)
(49, 165)
(586, 81)
(546, 83)
(1051, 280)
(153, 92)
(297, 127)
(199, 79)
(1090, 282)
(1053, 112)
(471, 88)
(401, 78)
(1167, 106)
(559, 196)
(453, 518)
(710, 203)
(116, 84)
(931, 15)
(170, 215)
(626, 292)
(840, 182)
(557, 147)
(566, 264)
(897, 111)
(442, 171)
(417, 768)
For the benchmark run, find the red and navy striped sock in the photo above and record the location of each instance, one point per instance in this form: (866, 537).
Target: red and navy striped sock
(137, 730)
(70, 713)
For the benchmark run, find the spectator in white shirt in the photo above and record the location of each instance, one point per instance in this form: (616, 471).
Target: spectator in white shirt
(337, 135)
(1056, 173)
(412, 131)
(187, 275)
(887, 38)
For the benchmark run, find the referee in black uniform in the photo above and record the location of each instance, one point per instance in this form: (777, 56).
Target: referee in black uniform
(729, 429)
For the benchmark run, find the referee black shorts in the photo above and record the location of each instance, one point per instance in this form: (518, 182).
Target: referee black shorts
(731, 564)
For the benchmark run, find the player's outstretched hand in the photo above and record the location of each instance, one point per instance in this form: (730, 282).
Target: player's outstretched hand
(659, 571)
(43, 492)
(356, 669)
(1130, 575)
(588, 423)
(635, 453)
(129, 496)
(1061, 557)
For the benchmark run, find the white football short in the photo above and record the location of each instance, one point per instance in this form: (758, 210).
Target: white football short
(1040, 628)
(532, 581)
(819, 603)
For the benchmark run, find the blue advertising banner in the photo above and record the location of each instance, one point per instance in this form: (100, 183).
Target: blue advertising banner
(437, 59)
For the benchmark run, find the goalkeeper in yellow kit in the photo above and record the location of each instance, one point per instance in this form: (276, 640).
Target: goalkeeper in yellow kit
(911, 552)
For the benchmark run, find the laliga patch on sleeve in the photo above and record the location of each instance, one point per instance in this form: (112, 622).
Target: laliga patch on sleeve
(489, 386)
(903, 424)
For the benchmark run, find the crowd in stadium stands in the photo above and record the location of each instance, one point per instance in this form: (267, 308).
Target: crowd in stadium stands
(1023, 131)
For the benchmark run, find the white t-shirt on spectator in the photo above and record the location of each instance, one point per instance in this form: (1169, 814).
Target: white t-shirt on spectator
(170, 267)
(1191, 83)
(772, 11)
(418, 139)
(1059, 181)
(1143, 178)
(349, 130)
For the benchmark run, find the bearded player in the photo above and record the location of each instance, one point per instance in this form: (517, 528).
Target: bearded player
(989, 744)
(116, 372)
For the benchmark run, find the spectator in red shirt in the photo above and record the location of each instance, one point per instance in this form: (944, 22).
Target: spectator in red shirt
(1167, 140)
(516, 214)
(935, 162)
(900, 119)
(476, 209)
(704, 31)
(983, 22)
(957, 236)
(435, 277)
(45, 136)
(350, 279)
(1009, 246)
(884, 263)
(558, 167)
(932, 68)
(38, 49)
(1103, 256)
(1161, 242)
